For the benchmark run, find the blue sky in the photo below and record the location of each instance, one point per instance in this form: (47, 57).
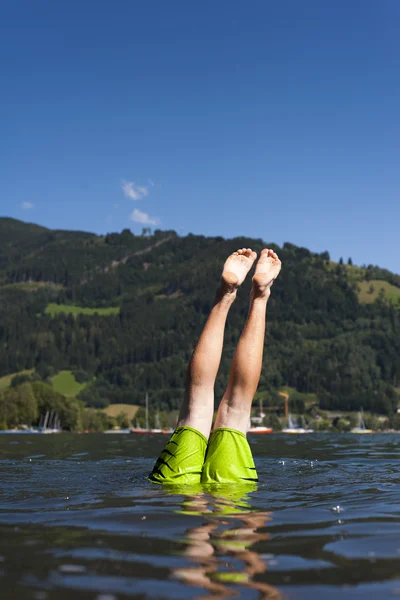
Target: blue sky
(270, 119)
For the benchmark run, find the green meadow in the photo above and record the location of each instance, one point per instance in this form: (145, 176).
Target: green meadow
(53, 310)
(65, 383)
(369, 291)
(5, 381)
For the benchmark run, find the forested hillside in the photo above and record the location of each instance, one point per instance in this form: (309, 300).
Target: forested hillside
(331, 330)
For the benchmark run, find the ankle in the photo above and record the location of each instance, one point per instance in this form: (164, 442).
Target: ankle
(260, 295)
(225, 293)
(261, 287)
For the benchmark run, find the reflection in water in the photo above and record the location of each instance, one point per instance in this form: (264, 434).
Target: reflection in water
(221, 548)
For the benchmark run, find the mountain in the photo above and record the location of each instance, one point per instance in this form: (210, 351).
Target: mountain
(123, 312)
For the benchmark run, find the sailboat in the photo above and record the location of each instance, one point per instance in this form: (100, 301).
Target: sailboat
(157, 428)
(294, 428)
(253, 427)
(361, 425)
(147, 429)
(50, 423)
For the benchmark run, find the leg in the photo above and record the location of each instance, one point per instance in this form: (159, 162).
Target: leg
(198, 405)
(182, 459)
(229, 458)
(234, 410)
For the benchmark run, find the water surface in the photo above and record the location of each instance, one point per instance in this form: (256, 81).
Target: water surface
(78, 519)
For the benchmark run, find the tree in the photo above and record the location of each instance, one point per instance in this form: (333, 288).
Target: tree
(18, 379)
(94, 420)
(342, 425)
(325, 256)
(320, 339)
(123, 420)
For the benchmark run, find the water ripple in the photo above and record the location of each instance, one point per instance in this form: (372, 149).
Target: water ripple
(78, 518)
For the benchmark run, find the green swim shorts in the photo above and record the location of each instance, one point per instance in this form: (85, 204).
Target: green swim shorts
(189, 459)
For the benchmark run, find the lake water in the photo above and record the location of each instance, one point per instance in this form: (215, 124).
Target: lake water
(79, 520)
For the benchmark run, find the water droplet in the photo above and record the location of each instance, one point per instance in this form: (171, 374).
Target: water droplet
(337, 509)
(143, 518)
(281, 462)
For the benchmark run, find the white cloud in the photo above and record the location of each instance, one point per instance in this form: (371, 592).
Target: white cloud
(134, 191)
(26, 205)
(141, 217)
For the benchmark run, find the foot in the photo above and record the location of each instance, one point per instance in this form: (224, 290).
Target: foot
(267, 270)
(236, 267)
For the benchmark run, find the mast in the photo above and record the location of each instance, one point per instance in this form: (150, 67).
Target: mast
(361, 423)
(147, 410)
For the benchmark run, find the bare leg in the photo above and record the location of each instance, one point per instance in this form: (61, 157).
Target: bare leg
(234, 410)
(198, 405)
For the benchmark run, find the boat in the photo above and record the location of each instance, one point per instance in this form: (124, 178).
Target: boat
(19, 431)
(140, 430)
(294, 428)
(157, 428)
(50, 423)
(361, 425)
(255, 423)
(259, 429)
(117, 430)
(147, 429)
